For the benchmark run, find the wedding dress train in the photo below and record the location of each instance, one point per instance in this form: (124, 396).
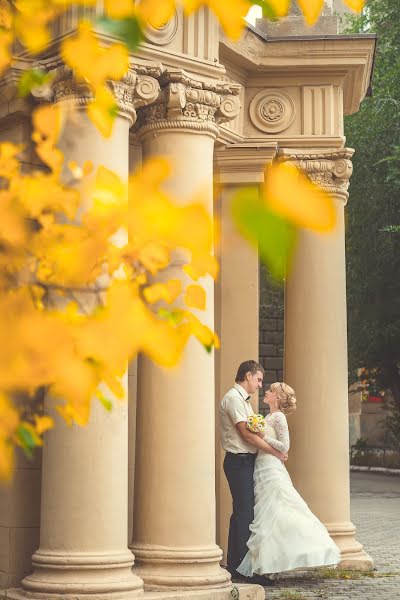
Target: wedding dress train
(285, 534)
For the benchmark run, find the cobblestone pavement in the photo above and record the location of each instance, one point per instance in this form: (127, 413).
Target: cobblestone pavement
(375, 510)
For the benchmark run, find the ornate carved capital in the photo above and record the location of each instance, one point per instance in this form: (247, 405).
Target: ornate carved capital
(329, 170)
(137, 88)
(186, 103)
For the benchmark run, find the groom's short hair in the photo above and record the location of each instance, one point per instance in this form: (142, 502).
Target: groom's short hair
(248, 366)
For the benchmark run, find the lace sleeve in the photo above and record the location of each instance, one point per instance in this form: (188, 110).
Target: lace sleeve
(274, 443)
(279, 422)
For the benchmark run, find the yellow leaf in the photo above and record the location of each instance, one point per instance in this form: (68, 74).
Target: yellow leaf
(92, 62)
(69, 255)
(6, 18)
(163, 291)
(231, 14)
(31, 22)
(356, 5)
(9, 164)
(13, 224)
(6, 39)
(34, 35)
(153, 257)
(311, 10)
(204, 334)
(102, 111)
(6, 459)
(202, 265)
(154, 12)
(110, 193)
(9, 421)
(77, 385)
(42, 424)
(9, 418)
(291, 195)
(195, 297)
(44, 206)
(164, 343)
(279, 7)
(47, 123)
(119, 10)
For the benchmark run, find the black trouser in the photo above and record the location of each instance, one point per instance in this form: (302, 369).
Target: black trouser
(239, 469)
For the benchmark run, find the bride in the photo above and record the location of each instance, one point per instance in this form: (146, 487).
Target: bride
(285, 534)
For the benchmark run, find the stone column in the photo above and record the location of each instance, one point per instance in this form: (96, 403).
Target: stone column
(316, 361)
(236, 294)
(174, 513)
(83, 550)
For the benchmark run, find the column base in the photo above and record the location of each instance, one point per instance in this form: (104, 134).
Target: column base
(236, 592)
(21, 594)
(80, 575)
(179, 569)
(354, 557)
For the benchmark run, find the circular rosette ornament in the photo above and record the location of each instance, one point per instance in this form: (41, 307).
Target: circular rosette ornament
(256, 423)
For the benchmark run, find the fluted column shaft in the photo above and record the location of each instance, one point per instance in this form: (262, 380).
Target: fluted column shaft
(83, 550)
(174, 514)
(316, 363)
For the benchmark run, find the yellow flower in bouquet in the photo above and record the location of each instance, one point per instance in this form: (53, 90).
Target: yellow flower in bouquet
(256, 423)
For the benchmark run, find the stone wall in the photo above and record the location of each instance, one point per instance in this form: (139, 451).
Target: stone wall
(271, 330)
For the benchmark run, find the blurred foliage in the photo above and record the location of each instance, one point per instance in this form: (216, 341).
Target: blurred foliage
(373, 238)
(79, 294)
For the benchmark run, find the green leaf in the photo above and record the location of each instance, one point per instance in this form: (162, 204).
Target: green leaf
(128, 30)
(27, 440)
(268, 11)
(174, 317)
(273, 236)
(34, 78)
(113, 111)
(105, 401)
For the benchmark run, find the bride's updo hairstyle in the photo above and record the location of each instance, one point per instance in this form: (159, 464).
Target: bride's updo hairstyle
(286, 397)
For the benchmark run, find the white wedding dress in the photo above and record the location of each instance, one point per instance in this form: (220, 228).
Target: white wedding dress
(285, 534)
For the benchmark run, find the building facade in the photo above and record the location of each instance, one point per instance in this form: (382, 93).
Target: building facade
(130, 505)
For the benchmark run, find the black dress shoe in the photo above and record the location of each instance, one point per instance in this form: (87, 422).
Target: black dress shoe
(239, 578)
(261, 580)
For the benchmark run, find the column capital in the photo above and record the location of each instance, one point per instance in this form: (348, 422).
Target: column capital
(330, 170)
(137, 88)
(187, 103)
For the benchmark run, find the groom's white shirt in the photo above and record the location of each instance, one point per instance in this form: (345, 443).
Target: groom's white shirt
(234, 408)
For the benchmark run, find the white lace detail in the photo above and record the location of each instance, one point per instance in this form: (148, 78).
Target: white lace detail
(278, 421)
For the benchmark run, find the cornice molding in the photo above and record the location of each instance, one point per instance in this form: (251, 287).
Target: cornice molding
(243, 163)
(307, 143)
(346, 59)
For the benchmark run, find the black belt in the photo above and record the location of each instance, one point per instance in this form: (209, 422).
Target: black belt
(241, 453)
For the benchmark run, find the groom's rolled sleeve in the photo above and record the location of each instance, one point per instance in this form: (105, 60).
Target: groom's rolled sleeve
(236, 410)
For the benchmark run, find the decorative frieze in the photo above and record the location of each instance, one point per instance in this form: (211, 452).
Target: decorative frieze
(191, 104)
(329, 170)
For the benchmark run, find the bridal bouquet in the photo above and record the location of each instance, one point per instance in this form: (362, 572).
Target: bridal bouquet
(256, 423)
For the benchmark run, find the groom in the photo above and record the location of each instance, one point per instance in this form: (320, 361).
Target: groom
(241, 446)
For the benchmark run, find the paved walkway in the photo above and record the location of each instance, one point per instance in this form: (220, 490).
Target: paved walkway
(375, 506)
